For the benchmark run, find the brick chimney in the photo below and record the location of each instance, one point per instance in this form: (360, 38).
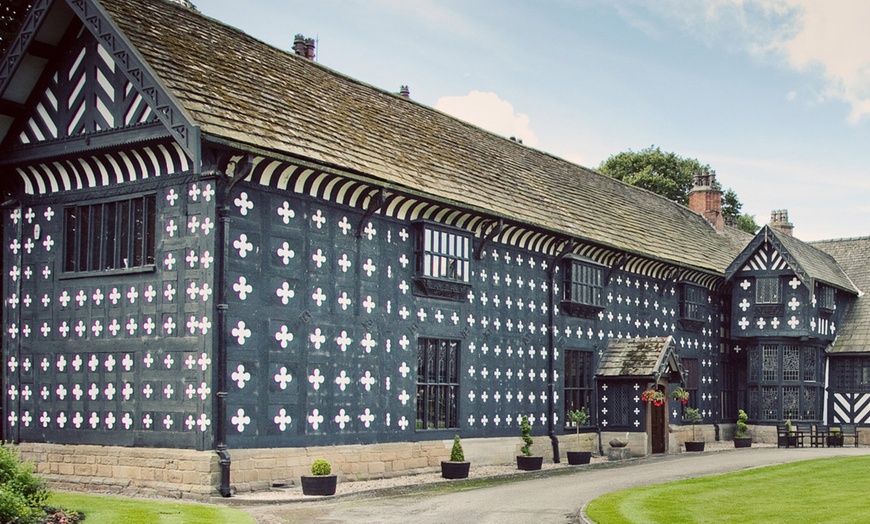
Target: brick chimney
(705, 198)
(303, 47)
(779, 221)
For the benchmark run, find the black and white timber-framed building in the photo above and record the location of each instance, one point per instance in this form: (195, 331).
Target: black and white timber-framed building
(215, 245)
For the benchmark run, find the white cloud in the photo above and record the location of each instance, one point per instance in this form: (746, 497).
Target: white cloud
(489, 111)
(828, 39)
(791, 96)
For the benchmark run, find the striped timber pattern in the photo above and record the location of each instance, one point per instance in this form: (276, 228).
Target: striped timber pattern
(348, 191)
(766, 259)
(87, 94)
(104, 169)
(851, 408)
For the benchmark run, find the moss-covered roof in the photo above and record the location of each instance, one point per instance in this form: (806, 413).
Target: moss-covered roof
(242, 90)
(853, 335)
(639, 357)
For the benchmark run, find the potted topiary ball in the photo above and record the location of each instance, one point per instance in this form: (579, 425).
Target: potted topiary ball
(741, 440)
(320, 482)
(456, 467)
(694, 416)
(526, 461)
(579, 417)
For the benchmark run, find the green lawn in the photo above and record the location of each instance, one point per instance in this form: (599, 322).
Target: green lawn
(824, 490)
(119, 510)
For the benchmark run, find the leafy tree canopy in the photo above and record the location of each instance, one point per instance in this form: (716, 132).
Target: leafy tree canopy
(12, 13)
(672, 177)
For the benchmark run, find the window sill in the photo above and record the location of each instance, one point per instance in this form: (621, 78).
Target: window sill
(439, 288)
(151, 268)
(577, 309)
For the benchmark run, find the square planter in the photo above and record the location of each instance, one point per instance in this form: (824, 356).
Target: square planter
(318, 484)
(575, 458)
(454, 470)
(529, 463)
(743, 442)
(694, 446)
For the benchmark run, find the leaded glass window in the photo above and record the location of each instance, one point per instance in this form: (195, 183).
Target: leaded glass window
(769, 363)
(694, 302)
(770, 402)
(578, 380)
(437, 383)
(443, 253)
(810, 402)
(791, 402)
(809, 364)
(583, 282)
(791, 363)
(767, 290)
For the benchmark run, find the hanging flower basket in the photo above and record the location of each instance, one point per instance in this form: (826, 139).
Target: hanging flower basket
(680, 394)
(653, 395)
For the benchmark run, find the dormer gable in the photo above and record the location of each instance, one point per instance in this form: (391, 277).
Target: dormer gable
(72, 83)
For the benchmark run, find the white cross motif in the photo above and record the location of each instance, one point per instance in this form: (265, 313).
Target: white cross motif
(208, 193)
(344, 225)
(243, 245)
(404, 370)
(794, 304)
(285, 212)
(285, 253)
(171, 197)
(169, 325)
(403, 260)
(243, 288)
(746, 284)
(369, 267)
(115, 295)
(343, 341)
(203, 422)
(342, 380)
(169, 261)
(127, 391)
(203, 390)
(760, 323)
(110, 391)
(45, 329)
(319, 219)
(370, 231)
(284, 337)
(344, 301)
(207, 225)
(403, 286)
(48, 243)
(368, 343)
(793, 322)
(285, 293)
(318, 258)
(168, 361)
(743, 323)
(404, 235)
(193, 224)
(315, 419)
(316, 379)
(241, 332)
(194, 192)
(404, 397)
(171, 228)
(206, 259)
(794, 283)
(168, 421)
(240, 376)
(318, 297)
(367, 417)
(744, 305)
(243, 204)
(368, 304)
(191, 259)
(367, 380)
(775, 323)
(282, 419)
(344, 263)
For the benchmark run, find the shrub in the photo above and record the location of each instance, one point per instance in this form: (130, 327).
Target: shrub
(579, 417)
(742, 417)
(692, 415)
(321, 467)
(526, 429)
(456, 454)
(22, 493)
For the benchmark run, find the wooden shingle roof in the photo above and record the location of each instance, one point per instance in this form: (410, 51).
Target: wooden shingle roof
(245, 92)
(640, 358)
(853, 334)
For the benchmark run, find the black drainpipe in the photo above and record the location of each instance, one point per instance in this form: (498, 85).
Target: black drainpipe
(241, 172)
(551, 405)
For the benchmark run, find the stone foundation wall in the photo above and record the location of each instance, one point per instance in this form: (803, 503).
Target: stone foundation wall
(166, 472)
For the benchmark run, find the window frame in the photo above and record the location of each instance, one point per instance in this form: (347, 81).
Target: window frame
(120, 243)
(442, 261)
(582, 286)
(437, 390)
(578, 384)
(764, 287)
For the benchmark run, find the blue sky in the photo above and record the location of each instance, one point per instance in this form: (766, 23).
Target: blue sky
(773, 94)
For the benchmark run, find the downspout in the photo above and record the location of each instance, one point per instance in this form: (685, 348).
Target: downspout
(242, 169)
(551, 364)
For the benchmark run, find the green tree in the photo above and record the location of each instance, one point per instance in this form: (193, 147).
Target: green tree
(672, 177)
(12, 13)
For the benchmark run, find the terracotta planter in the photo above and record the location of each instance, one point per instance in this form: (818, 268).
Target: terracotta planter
(454, 470)
(318, 484)
(743, 442)
(529, 463)
(694, 446)
(575, 458)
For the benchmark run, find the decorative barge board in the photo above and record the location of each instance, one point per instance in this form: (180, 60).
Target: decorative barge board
(787, 302)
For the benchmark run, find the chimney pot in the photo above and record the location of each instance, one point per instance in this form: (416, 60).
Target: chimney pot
(309, 48)
(779, 221)
(705, 198)
(405, 92)
(299, 45)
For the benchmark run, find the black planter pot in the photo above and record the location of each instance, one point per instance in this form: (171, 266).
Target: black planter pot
(575, 458)
(835, 442)
(694, 446)
(318, 484)
(454, 470)
(743, 442)
(529, 463)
